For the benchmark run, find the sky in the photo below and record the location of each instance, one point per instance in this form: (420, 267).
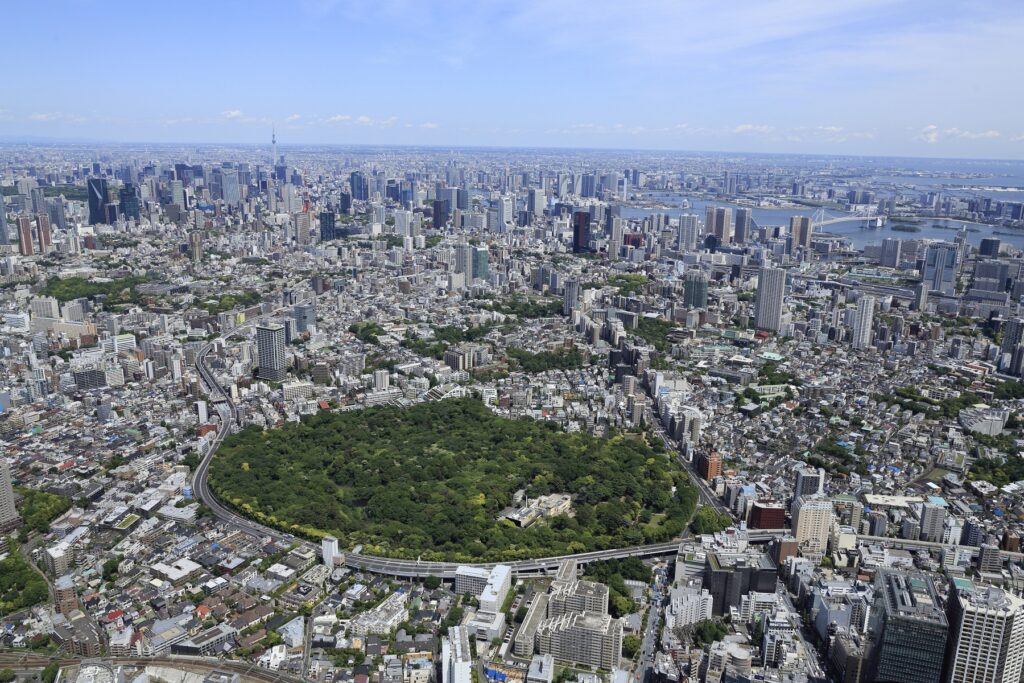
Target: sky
(868, 77)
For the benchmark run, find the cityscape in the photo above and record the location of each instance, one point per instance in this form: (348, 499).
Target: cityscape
(400, 400)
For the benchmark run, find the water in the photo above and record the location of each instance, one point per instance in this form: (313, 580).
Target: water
(860, 237)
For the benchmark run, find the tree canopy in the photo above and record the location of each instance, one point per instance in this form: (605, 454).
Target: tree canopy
(430, 481)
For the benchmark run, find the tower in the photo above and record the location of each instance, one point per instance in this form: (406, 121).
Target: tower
(986, 639)
(270, 347)
(8, 513)
(695, 289)
(771, 288)
(862, 323)
(801, 228)
(273, 146)
(911, 634)
(98, 198)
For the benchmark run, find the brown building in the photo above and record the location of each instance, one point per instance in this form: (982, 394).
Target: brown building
(767, 516)
(708, 465)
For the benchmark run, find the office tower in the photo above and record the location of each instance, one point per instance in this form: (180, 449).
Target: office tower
(910, 637)
(744, 226)
(5, 236)
(195, 245)
(327, 226)
(571, 297)
(890, 257)
(771, 289)
(43, 231)
(329, 550)
(718, 222)
(800, 227)
(810, 481)
(920, 297)
(360, 189)
(695, 289)
(1013, 335)
(689, 233)
(863, 321)
(940, 267)
(38, 200)
(305, 317)
(728, 576)
(989, 247)
(580, 232)
(178, 194)
(464, 260)
(588, 185)
(98, 198)
(812, 523)
(303, 223)
(480, 256)
(441, 208)
(456, 658)
(270, 347)
(933, 520)
(537, 201)
(986, 634)
(129, 198)
(229, 189)
(8, 514)
(25, 236)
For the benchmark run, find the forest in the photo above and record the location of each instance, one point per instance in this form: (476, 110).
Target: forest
(430, 481)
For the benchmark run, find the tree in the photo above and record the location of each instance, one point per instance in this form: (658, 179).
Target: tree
(6, 675)
(50, 672)
(432, 583)
(630, 646)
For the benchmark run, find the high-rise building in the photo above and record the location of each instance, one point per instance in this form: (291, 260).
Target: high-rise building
(304, 316)
(771, 290)
(812, 523)
(25, 247)
(890, 256)
(689, 233)
(129, 198)
(718, 222)
(43, 232)
(1013, 335)
(933, 520)
(98, 198)
(327, 224)
(360, 188)
(580, 232)
(8, 513)
(940, 265)
(986, 634)
(582, 638)
(744, 226)
(863, 321)
(329, 550)
(695, 289)
(571, 296)
(480, 263)
(801, 229)
(5, 236)
(270, 347)
(989, 247)
(910, 638)
(810, 481)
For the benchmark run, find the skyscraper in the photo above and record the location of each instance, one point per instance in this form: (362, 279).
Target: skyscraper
(580, 232)
(744, 225)
(1013, 334)
(933, 520)
(98, 198)
(989, 247)
(910, 638)
(809, 481)
(25, 236)
(890, 257)
(8, 513)
(940, 267)
(270, 347)
(695, 289)
(986, 634)
(800, 227)
(688, 233)
(863, 321)
(771, 289)
(5, 237)
(360, 189)
(571, 296)
(43, 232)
(129, 199)
(327, 223)
(718, 222)
(812, 523)
(480, 265)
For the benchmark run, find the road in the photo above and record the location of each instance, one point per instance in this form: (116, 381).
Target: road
(649, 644)
(813, 661)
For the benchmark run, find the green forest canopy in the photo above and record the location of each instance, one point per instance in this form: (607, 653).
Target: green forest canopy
(430, 481)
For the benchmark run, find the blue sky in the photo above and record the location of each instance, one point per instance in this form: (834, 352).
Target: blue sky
(893, 77)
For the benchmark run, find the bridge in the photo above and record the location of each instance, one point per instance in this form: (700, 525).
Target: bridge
(819, 219)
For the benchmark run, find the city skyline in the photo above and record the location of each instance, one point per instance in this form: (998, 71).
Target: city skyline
(863, 77)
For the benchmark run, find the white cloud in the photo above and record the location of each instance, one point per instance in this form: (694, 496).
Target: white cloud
(338, 118)
(932, 134)
(364, 120)
(752, 128)
(294, 117)
(429, 125)
(231, 114)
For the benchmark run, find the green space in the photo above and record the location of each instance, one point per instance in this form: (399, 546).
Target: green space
(655, 332)
(70, 192)
(626, 283)
(708, 520)
(39, 508)
(119, 291)
(443, 338)
(563, 359)
(997, 472)
(227, 302)
(770, 374)
(430, 481)
(524, 307)
(21, 585)
(366, 331)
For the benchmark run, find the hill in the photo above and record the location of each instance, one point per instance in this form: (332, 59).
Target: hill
(430, 481)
